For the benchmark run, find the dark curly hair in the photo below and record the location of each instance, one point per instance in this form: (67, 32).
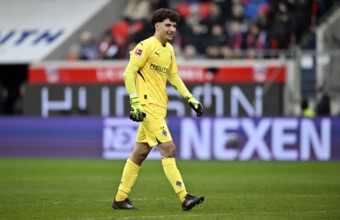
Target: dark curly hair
(163, 13)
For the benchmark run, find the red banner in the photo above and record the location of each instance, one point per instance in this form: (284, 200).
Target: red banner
(189, 74)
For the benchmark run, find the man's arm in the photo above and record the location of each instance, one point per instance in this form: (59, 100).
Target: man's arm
(137, 112)
(178, 84)
(129, 79)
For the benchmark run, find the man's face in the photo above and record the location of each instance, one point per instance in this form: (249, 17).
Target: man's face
(166, 29)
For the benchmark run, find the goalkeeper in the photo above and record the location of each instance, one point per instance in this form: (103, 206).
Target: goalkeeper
(152, 62)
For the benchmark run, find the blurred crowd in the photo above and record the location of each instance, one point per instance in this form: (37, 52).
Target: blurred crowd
(215, 29)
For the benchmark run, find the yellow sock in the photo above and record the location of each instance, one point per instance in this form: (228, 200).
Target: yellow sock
(174, 177)
(129, 176)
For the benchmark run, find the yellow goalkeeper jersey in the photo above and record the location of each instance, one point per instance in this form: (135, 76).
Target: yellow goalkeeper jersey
(155, 63)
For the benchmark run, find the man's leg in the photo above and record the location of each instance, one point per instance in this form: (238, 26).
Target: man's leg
(174, 176)
(130, 174)
(168, 152)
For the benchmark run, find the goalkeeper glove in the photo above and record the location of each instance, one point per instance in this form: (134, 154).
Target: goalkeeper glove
(195, 105)
(137, 112)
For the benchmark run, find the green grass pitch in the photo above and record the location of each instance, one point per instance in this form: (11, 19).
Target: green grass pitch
(84, 189)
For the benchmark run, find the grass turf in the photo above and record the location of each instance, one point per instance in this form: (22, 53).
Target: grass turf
(84, 189)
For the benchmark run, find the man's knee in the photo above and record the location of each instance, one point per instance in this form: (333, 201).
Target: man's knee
(140, 153)
(143, 154)
(138, 157)
(167, 150)
(172, 151)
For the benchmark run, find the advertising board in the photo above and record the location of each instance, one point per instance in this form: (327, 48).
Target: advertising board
(250, 89)
(112, 100)
(207, 138)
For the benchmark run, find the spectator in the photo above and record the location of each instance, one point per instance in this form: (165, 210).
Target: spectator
(74, 53)
(225, 8)
(255, 40)
(215, 17)
(235, 39)
(237, 11)
(88, 47)
(120, 33)
(217, 41)
(261, 19)
(108, 49)
(189, 52)
(301, 15)
(306, 111)
(322, 103)
(252, 8)
(143, 29)
(198, 37)
(279, 33)
(195, 31)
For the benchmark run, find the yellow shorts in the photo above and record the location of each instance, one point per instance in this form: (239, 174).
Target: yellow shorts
(154, 129)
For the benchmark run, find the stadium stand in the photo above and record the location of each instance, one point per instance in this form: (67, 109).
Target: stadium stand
(237, 30)
(244, 26)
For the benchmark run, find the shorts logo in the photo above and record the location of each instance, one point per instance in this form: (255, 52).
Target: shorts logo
(138, 52)
(164, 132)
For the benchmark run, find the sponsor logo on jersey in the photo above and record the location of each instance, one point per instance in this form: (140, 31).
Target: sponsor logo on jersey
(158, 68)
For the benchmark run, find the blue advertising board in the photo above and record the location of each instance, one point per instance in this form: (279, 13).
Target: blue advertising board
(207, 138)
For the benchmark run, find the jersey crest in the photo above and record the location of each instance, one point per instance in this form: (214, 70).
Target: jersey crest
(164, 133)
